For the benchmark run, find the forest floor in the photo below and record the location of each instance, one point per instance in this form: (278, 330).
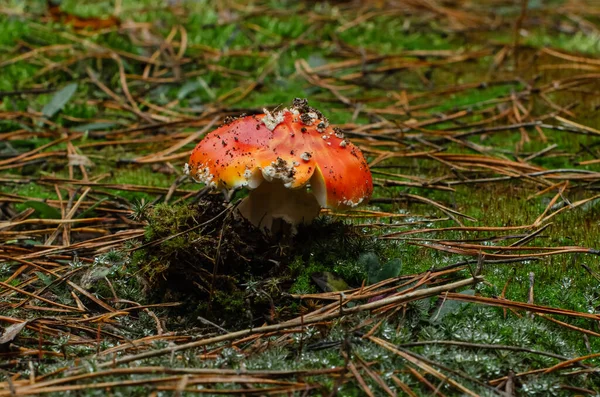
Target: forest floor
(473, 270)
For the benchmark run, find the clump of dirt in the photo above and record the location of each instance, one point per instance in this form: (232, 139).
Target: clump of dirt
(204, 256)
(222, 268)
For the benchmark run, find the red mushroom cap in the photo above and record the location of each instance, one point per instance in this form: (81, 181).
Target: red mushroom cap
(295, 146)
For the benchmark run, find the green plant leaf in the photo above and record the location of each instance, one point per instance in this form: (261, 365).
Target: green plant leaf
(91, 209)
(43, 210)
(449, 307)
(59, 100)
(390, 270)
(94, 126)
(375, 271)
(44, 278)
(188, 88)
(370, 262)
(18, 144)
(329, 282)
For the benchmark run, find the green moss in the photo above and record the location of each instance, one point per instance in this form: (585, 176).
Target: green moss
(166, 220)
(304, 283)
(585, 43)
(397, 37)
(12, 30)
(14, 77)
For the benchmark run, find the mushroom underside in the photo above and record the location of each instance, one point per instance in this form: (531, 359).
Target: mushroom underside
(273, 207)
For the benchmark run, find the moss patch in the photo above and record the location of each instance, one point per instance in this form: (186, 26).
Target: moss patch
(220, 266)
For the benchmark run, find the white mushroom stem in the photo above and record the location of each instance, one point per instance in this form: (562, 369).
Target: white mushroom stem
(271, 203)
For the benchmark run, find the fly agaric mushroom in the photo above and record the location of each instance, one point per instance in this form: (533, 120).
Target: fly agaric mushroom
(292, 161)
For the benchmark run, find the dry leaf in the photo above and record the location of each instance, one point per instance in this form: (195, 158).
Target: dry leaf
(10, 334)
(79, 159)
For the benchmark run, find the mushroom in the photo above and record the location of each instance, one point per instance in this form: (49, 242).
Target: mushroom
(292, 162)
